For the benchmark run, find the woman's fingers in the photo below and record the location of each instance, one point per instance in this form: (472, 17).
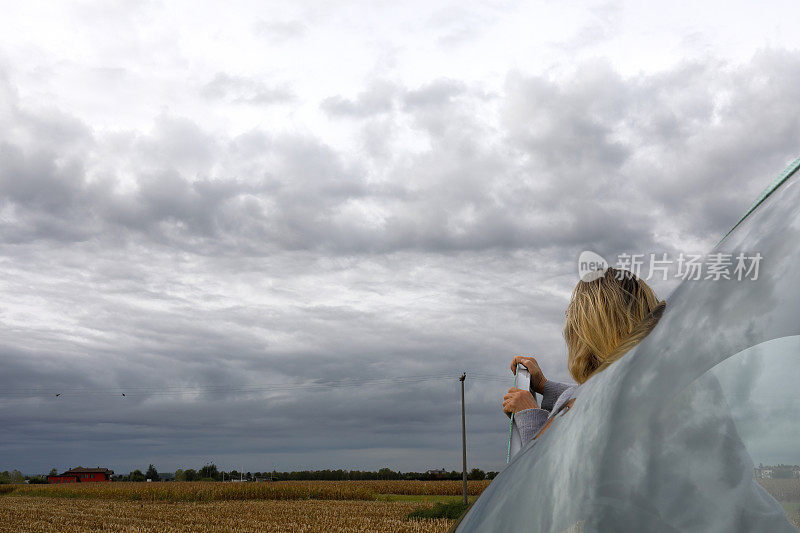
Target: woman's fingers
(511, 392)
(537, 376)
(508, 399)
(517, 359)
(517, 400)
(525, 361)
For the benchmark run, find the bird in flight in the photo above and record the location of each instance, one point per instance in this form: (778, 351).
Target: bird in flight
(123, 394)
(57, 395)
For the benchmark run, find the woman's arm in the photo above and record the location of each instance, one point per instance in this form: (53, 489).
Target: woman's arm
(528, 416)
(550, 390)
(550, 393)
(529, 422)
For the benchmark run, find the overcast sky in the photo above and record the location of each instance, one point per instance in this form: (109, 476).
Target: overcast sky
(283, 229)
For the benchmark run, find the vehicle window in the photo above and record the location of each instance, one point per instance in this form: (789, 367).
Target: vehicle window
(669, 437)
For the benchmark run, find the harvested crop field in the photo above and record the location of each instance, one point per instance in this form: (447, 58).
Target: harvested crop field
(26, 513)
(786, 491)
(376, 506)
(282, 490)
(302, 506)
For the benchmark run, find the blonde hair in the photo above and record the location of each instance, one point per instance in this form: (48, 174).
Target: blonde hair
(606, 318)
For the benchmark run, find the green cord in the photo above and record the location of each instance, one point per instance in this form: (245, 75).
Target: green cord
(511, 428)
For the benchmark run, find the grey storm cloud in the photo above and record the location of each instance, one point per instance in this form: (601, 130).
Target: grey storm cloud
(262, 297)
(434, 94)
(279, 31)
(240, 89)
(375, 100)
(568, 166)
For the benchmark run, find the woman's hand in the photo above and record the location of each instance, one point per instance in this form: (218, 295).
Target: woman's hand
(518, 400)
(537, 377)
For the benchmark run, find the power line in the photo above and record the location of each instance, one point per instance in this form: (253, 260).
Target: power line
(174, 390)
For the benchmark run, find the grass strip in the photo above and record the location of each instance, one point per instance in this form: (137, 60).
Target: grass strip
(450, 511)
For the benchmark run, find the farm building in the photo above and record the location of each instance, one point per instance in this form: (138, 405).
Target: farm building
(82, 475)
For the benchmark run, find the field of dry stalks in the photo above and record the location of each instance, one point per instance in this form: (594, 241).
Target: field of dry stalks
(301, 506)
(25, 513)
(335, 506)
(786, 491)
(197, 491)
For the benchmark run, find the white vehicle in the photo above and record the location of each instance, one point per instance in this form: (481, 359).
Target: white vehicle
(663, 440)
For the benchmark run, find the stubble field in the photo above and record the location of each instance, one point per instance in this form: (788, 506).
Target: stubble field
(302, 506)
(335, 506)
(786, 491)
(25, 513)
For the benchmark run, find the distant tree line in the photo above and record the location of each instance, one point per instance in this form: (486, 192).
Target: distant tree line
(210, 472)
(783, 471)
(382, 474)
(137, 475)
(15, 476)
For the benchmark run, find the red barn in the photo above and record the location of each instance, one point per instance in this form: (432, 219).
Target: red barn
(82, 475)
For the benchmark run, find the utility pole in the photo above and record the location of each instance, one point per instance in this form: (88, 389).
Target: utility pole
(463, 437)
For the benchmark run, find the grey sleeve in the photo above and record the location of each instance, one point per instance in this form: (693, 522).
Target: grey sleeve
(563, 398)
(552, 390)
(529, 422)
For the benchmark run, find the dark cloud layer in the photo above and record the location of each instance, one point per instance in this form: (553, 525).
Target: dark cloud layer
(202, 274)
(240, 89)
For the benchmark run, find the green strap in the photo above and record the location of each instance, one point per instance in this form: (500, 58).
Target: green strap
(511, 428)
(777, 182)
